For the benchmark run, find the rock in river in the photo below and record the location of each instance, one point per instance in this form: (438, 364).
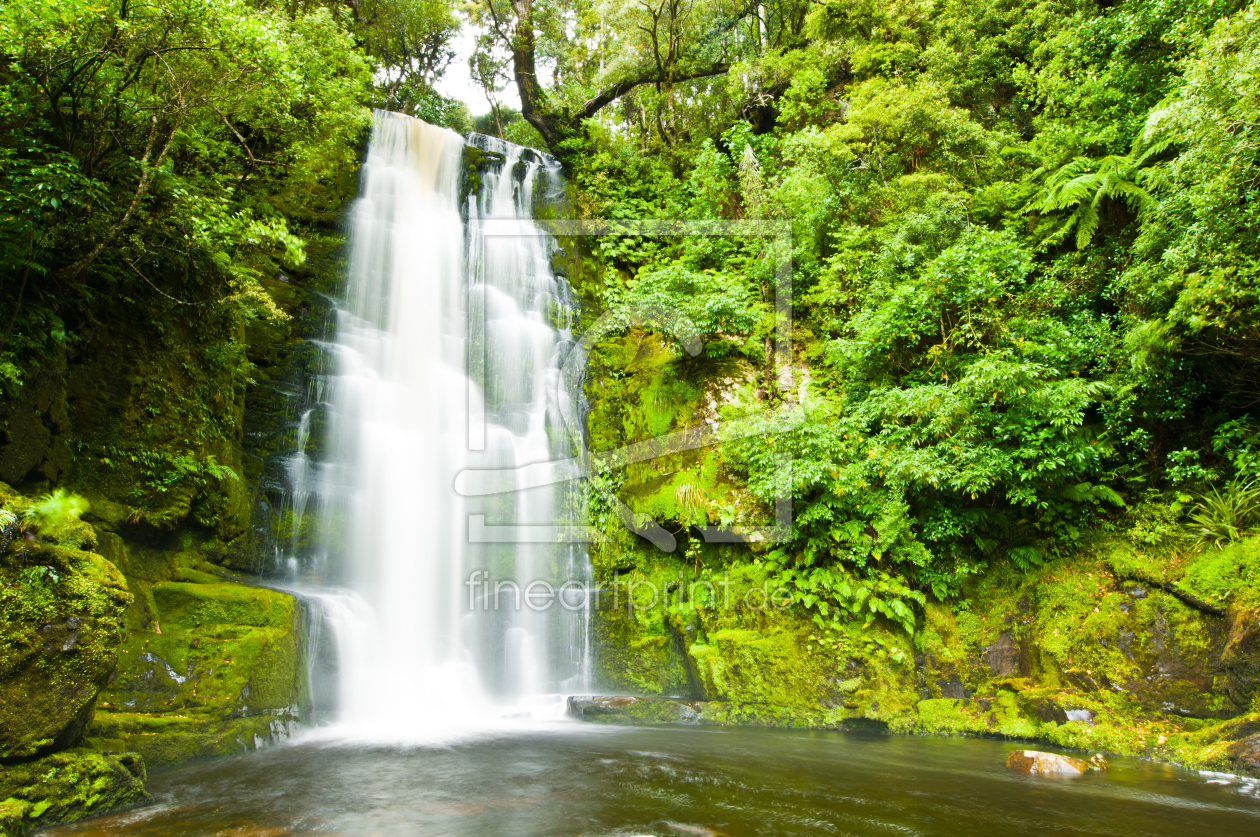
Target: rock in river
(1052, 764)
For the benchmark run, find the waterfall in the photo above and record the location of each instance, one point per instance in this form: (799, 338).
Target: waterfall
(447, 355)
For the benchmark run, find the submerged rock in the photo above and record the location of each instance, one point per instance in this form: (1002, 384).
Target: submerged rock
(1052, 764)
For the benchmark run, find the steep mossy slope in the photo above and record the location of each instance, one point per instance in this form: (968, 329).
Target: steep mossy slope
(1140, 641)
(1124, 647)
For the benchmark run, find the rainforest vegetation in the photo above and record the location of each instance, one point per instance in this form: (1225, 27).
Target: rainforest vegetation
(1024, 261)
(982, 312)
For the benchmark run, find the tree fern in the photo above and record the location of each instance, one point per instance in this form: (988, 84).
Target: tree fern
(1080, 186)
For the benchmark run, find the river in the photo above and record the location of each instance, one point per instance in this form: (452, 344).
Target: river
(601, 781)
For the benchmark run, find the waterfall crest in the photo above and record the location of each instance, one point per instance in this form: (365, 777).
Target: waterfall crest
(447, 356)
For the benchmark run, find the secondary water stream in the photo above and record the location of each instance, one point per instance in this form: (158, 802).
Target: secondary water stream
(619, 782)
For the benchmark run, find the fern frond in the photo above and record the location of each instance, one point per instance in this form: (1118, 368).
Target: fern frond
(1086, 225)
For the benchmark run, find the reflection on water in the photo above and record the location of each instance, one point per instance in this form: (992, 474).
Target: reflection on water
(620, 782)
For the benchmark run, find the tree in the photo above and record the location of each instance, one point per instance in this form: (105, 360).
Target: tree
(1084, 186)
(662, 43)
(169, 144)
(410, 42)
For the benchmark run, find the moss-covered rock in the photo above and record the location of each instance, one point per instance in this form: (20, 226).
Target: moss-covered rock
(66, 787)
(221, 668)
(633, 710)
(61, 626)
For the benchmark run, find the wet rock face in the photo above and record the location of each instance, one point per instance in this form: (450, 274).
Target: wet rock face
(634, 710)
(226, 673)
(1240, 659)
(1002, 656)
(1246, 755)
(1052, 764)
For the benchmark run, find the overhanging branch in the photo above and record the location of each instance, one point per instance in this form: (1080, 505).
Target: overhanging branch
(610, 94)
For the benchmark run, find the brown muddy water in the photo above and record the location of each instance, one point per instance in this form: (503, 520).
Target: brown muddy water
(620, 782)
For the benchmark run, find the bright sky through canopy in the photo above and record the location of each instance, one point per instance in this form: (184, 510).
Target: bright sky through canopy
(457, 82)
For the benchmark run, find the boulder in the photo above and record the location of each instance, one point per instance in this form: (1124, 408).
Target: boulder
(66, 787)
(1052, 764)
(61, 620)
(226, 673)
(623, 709)
(1246, 755)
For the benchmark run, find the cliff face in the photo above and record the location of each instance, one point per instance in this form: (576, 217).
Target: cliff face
(139, 627)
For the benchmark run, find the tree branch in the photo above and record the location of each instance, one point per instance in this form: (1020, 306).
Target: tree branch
(1182, 596)
(142, 188)
(614, 92)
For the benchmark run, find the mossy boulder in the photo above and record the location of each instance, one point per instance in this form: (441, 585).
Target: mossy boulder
(66, 787)
(61, 625)
(631, 710)
(221, 668)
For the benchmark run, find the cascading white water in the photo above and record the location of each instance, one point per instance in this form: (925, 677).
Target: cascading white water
(447, 357)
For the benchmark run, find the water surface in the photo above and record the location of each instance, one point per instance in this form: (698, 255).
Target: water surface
(617, 782)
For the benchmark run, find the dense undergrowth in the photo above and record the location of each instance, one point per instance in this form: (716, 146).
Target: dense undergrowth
(1022, 253)
(1023, 241)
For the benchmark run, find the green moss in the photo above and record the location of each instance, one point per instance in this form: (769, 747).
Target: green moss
(1139, 671)
(61, 624)
(185, 606)
(164, 739)
(67, 787)
(947, 715)
(227, 670)
(1228, 576)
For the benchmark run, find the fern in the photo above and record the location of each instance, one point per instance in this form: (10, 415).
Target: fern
(55, 509)
(1082, 185)
(1222, 516)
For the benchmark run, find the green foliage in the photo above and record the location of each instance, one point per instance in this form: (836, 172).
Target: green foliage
(161, 472)
(1084, 186)
(1238, 441)
(56, 509)
(409, 41)
(164, 152)
(1024, 274)
(712, 303)
(1222, 515)
(836, 595)
(1022, 260)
